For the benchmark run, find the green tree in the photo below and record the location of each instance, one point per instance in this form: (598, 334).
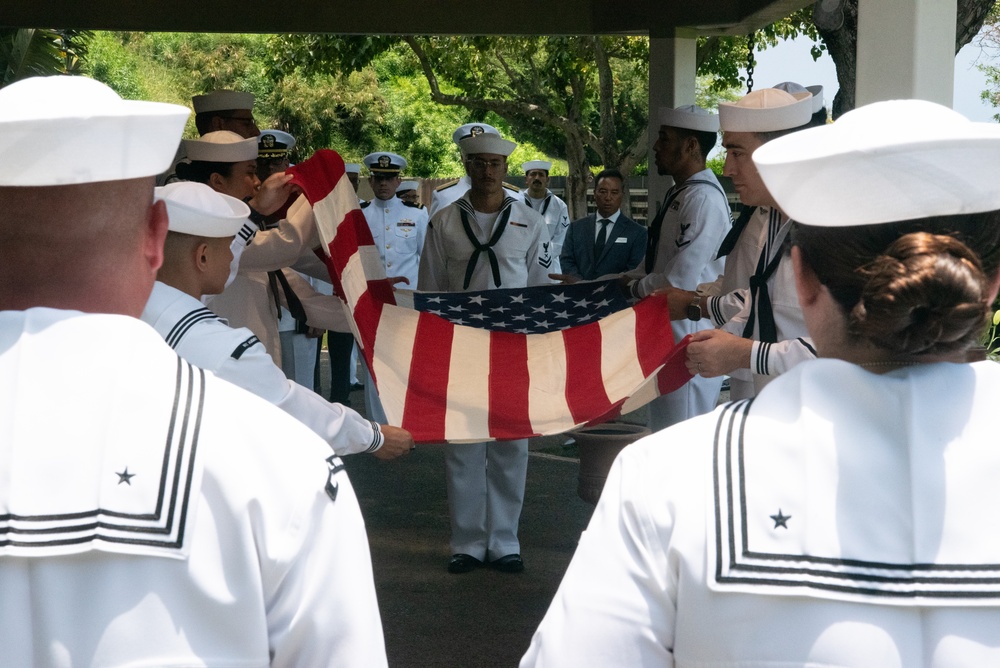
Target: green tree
(27, 53)
(582, 99)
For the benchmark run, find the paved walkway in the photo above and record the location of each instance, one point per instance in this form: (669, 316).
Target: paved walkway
(482, 618)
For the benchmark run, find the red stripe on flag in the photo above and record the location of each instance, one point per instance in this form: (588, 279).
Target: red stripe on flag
(427, 390)
(585, 393)
(352, 233)
(675, 372)
(367, 314)
(508, 386)
(318, 175)
(653, 335)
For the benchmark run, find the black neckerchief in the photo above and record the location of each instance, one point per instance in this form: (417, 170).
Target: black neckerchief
(760, 298)
(498, 230)
(276, 278)
(545, 203)
(735, 231)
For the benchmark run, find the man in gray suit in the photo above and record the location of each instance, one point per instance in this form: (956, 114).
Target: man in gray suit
(607, 242)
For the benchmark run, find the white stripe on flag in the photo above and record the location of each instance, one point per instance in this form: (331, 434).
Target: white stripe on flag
(330, 210)
(548, 409)
(619, 362)
(468, 384)
(392, 362)
(642, 396)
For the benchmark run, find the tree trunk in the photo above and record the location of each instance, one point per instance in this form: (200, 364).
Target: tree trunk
(843, 44)
(579, 177)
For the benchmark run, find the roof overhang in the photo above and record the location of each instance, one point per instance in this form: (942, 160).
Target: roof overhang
(657, 18)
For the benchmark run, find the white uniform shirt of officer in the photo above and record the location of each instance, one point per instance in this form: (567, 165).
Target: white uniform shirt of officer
(398, 228)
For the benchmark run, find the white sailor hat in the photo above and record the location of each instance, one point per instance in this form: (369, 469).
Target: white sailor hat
(65, 130)
(816, 91)
(197, 209)
(884, 162)
(407, 185)
(472, 130)
(487, 143)
(352, 168)
(221, 146)
(274, 144)
(766, 110)
(544, 165)
(222, 100)
(384, 163)
(689, 117)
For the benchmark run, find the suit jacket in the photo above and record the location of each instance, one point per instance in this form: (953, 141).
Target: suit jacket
(624, 249)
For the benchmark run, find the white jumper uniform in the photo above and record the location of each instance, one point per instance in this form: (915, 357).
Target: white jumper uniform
(236, 355)
(485, 480)
(556, 214)
(159, 516)
(731, 312)
(841, 518)
(695, 223)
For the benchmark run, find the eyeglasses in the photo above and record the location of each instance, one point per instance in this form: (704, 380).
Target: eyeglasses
(482, 165)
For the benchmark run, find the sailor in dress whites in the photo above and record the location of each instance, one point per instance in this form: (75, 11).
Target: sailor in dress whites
(398, 229)
(760, 330)
(684, 237)
(228, 163)
(156, 515)
(196, 262)
(552, 208)
(408, 191)
(846, 515)
(449, 192)
(485, 240)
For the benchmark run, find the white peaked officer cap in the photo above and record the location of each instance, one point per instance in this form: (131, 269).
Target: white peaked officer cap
(487, 143)
(766, 110)
(689, 117)
(221, 146)
(885, 162)
(222, 100)
(274, 144)
(544, 165)
(197, 209)
(384, 163)
(473, 129)
(407, 185)
(352, 168)
(815, 91)
(66, 130)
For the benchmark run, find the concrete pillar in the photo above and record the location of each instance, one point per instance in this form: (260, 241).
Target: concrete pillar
(906, 49)
(673, 64)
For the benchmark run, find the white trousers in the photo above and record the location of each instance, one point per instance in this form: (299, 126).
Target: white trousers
(696, 397)
(298, 357)
(485, 495)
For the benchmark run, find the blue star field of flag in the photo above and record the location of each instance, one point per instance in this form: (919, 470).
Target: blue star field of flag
(536, 310)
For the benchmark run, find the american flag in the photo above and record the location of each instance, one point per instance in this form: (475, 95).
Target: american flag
(537, 310)
(497, 364)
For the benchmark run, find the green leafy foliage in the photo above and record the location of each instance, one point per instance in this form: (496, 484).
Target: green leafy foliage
(27, 52)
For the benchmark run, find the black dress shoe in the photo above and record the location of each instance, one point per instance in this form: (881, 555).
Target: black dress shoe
(511, 563)
(463, 563)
